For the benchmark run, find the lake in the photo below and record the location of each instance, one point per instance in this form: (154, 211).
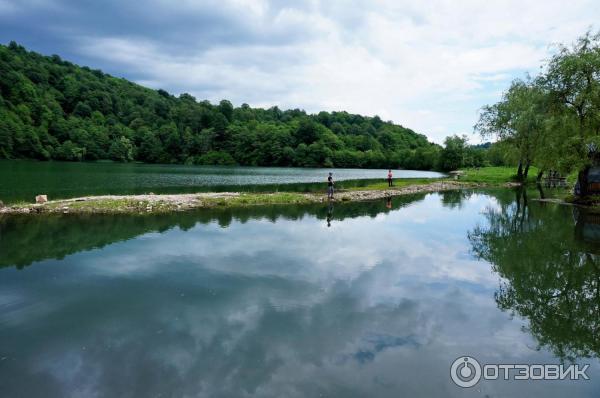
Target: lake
(356, 299)
(21, 180)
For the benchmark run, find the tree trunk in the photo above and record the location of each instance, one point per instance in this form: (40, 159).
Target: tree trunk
(539, 176)
(526, 209)
(541, 190)
(582, 177)
(521, 210)
(520, 171)
(526, 171)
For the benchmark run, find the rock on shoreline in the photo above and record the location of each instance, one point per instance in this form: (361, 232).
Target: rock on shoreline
(180, 202)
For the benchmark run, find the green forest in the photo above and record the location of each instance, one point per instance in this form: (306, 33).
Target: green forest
(53, 109)
(552, 120)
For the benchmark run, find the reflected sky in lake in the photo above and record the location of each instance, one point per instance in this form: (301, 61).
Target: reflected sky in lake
(377, 304)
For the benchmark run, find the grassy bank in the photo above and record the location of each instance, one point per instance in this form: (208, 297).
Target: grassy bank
(481, 177)
(496, 175)
(499, 176)
(398, 183)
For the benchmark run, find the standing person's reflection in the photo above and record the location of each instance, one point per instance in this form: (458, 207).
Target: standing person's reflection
(329, 214)
(388, 202)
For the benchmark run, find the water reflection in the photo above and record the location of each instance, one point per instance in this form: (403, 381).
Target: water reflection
(329, 213)
(455, 199)
(265, 302)
(587, 228)
(25, 239)
(550, 268)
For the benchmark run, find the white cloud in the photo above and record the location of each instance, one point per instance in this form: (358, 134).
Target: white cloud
(429, 66)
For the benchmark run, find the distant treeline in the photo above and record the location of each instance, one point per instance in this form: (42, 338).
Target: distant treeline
(53, 109)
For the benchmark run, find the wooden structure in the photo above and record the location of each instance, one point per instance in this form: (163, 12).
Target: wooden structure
(554, 180)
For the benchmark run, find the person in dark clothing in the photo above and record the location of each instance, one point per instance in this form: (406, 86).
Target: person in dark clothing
(330, 186)
(389, 178)
(329, 214)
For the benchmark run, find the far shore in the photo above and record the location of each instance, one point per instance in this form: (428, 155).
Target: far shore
(151, 203)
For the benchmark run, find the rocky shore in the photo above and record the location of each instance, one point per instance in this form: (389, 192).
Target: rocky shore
(181, 202)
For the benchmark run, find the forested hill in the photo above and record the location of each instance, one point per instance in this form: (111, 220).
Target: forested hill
(53, 109)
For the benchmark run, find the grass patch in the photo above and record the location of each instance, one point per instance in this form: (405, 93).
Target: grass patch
(482, 175)
(106, 205)
(127, 205)
(265, 199)
(496, 175)
(20, 203)
(111, 206)
(398, 183)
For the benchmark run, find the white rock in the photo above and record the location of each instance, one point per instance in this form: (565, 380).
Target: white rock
(41, 198)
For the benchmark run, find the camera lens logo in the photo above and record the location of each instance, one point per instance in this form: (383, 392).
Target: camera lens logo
(465, 372)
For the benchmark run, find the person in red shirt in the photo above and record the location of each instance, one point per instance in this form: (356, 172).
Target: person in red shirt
(389, 177)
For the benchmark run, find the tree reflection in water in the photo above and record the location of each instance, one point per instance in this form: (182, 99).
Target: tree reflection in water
(549, 259)
(25, 239)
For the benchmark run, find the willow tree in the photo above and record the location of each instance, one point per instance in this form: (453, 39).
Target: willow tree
(519, 120)
(573, 81)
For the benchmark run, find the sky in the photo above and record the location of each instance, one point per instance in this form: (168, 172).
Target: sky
(429, 66)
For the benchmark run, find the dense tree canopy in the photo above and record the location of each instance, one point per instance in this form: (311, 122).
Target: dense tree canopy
(457, 153)
(518, 120)
(553, 121)
(53, 109)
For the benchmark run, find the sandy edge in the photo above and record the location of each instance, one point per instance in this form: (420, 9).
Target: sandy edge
(181, 202)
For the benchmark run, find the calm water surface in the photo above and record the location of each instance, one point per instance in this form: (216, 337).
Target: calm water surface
(22, 180)
(362, 299)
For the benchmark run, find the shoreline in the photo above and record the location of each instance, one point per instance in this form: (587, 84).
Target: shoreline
(161, 203)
